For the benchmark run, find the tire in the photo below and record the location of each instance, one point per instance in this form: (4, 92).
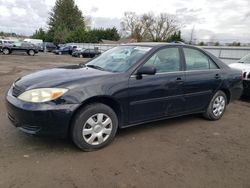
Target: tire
(31, 52)
(6, 51)
(94, 127)
(59, 53)
(81, 56)
(217, 106)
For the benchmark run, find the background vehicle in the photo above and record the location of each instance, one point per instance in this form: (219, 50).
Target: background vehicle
(154, 82)
(49, 46)
(34, 41)
(65, 50)
(4, 42)
(244, 65)
(37, 42)
(29, 48)
(88, 53)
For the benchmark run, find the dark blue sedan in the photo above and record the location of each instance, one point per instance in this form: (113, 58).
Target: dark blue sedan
(68, 50)
(125, 86)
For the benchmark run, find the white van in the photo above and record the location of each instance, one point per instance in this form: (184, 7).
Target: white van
(34, 41)
(37, 42)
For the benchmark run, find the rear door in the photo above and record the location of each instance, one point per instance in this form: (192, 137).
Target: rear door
(25, 47)
(92, 53)
(159, 95)
(203, 78)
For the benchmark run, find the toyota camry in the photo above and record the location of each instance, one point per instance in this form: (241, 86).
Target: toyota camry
(125, 86)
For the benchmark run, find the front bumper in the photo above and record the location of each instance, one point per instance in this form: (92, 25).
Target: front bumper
(45, 119)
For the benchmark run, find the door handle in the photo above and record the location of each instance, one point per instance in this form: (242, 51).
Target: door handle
(217, 76)
(179, 80)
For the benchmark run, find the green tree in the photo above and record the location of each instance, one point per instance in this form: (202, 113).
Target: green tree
(64, 19)
(176, 36)
(81, 36)
(217, 44)
(40, 34)
(112, 34)
(107, 34)
(201, 43)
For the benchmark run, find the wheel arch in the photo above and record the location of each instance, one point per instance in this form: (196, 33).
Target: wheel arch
(228, 94)
(109, 101)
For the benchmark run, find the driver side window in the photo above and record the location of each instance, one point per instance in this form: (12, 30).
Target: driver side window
(165, 60)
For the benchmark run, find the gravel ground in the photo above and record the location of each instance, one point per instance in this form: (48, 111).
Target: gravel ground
(183, 152)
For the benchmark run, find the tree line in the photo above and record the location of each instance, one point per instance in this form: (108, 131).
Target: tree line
(67, 24)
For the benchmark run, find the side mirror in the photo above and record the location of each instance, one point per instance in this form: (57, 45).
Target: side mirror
(149, 70)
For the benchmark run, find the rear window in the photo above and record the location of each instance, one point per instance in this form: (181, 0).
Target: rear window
(196, 60)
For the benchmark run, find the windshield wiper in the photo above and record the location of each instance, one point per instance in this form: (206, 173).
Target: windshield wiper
(96, 67)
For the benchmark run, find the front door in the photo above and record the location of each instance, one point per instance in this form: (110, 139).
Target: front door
(156, 96)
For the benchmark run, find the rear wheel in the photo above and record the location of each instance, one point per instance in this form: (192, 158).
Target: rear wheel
(94, 127)
(6, 51)
(217, 106)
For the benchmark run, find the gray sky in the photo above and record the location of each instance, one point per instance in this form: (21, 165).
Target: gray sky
(213, 19)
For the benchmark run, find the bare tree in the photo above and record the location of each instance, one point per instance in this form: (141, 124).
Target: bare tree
(149, 27)
(130, 23)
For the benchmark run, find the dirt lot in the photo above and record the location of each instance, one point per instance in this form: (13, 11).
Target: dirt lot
(182, 152)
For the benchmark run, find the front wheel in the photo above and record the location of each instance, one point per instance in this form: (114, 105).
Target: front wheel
(94, 127)
(6, 51)
(217, 106)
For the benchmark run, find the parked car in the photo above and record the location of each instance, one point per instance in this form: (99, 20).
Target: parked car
(65, 50)
(49, 46)
(244, 65)
(4, 42)
(90, 102)
(88, 53)
(27, 47)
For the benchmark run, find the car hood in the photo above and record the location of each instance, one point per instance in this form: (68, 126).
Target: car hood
(240, 66)
(56, 77)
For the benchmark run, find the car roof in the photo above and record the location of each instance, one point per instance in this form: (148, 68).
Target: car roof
(155, 44)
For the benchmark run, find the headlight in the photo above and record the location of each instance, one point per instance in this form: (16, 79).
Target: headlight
(42, 94)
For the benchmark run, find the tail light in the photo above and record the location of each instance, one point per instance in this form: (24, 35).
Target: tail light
(242, 75)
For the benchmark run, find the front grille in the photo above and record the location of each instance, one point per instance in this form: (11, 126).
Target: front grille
(16, 91)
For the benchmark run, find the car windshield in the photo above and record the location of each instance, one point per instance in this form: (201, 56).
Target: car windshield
(245, 59)
(119, 59)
